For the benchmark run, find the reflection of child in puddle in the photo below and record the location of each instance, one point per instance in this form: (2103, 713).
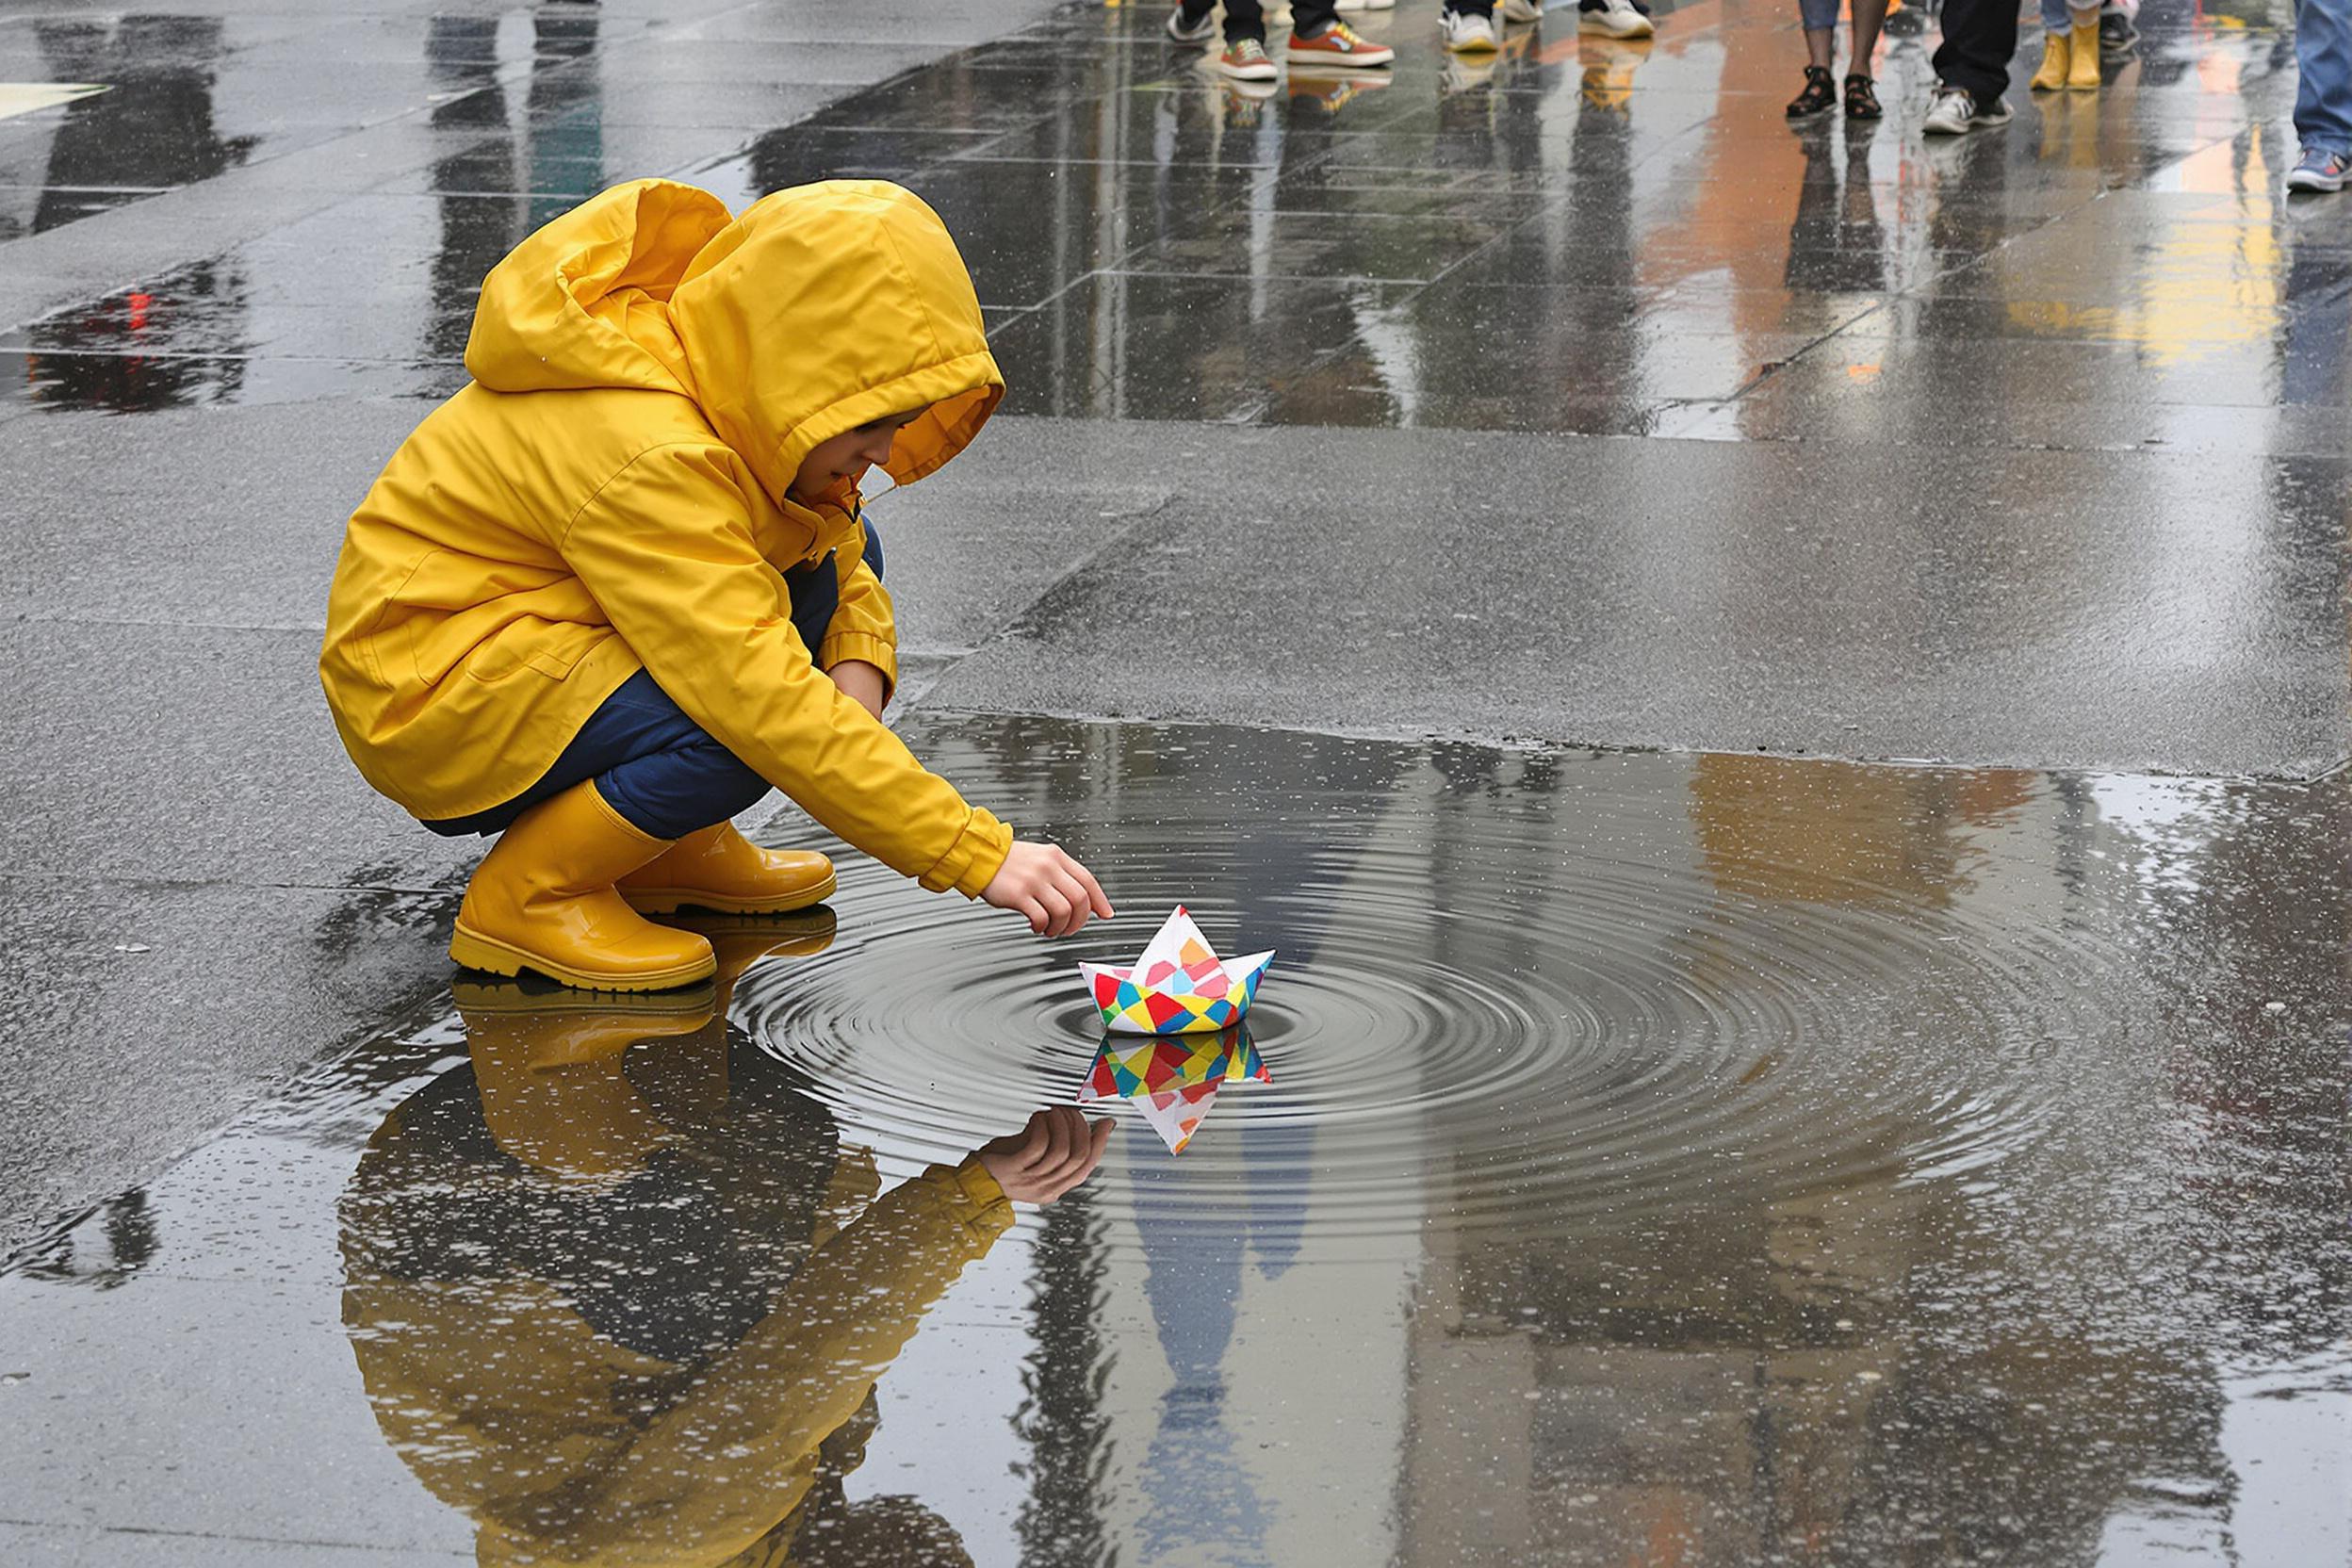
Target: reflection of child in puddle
(628, 1306)
(604, 598)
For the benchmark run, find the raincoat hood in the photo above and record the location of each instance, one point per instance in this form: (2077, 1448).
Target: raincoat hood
(820, 309)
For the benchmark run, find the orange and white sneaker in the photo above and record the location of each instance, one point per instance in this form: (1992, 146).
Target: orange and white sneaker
(1244, 60)
(1338, 44)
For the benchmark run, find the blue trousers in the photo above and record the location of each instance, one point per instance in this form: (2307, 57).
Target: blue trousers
(2323, 67)
(652, 763)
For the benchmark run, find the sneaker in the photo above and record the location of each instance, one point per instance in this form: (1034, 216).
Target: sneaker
(1364, 6)
(2318, 171)
(2116, 31)
(1244, 60)
(1954, 111)
(1338, 44)
(1467, 33)
(1521, 10)
(1613, 19)
(1192, 32)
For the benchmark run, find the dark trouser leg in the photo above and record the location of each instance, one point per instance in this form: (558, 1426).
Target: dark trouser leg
(1308, 18)
(1980, 40)
(1242, 19)
(655, 766)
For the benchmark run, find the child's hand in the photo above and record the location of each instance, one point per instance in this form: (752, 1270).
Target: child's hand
(1041, 881)
(1053, 1153)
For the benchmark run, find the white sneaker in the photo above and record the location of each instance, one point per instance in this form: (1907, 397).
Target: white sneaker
(1521, 10)
(1616, 18)
(1954, 111)
(1199, 32)
(1365, 5)
(1471, 35)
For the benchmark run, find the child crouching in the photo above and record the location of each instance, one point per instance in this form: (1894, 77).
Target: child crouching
(607, 595)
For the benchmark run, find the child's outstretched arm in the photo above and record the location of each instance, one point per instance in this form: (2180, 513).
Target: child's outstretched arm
(667, 548)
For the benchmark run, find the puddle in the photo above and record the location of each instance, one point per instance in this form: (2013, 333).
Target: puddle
(1720, 1158)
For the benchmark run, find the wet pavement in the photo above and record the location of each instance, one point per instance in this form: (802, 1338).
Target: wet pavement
(1897, 1119)
(1743, 1159)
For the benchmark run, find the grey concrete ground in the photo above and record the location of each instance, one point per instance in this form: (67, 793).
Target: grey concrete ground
(1886, 1104)
(1430, 416)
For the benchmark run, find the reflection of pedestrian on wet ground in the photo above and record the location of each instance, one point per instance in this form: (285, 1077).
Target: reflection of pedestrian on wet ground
(1836, 245)
(607, 595)
(619, 1291)
(2322, 95)
(1821, 46)
(1972, 67)
(1317, 37)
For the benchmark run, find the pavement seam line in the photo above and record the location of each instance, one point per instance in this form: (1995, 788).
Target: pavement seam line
(1133, 523)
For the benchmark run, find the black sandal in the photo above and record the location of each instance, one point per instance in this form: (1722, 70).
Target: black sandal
(1861, 99)
(1817, 96)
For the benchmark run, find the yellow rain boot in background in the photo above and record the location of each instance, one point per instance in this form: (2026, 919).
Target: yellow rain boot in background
(542, 899)
(718, 869)
(2083, 70)
(2052, 77)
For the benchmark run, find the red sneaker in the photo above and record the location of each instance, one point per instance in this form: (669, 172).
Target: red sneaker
(1245, 61)
(1338, 44)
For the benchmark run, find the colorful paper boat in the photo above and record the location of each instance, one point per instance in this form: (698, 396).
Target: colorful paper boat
(1177, 985)
(1174, 1082)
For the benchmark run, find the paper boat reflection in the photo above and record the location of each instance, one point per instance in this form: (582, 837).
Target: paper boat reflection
(1177, 987)
(1174, 1081)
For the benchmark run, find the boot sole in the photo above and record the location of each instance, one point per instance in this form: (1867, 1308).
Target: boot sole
(666, 901)
(472, 950)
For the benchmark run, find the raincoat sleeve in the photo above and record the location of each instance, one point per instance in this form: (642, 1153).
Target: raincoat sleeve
(738, 1452)
(666, 548)
(865, 626)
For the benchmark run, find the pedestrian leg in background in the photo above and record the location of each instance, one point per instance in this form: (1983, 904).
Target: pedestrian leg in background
(1870, 19)
(1468, 26)
(1318, 38)
(2322, 95)
(1821, 46)
(1614, 18)
(2069, 47)
(1972, 67)
(1194, 21)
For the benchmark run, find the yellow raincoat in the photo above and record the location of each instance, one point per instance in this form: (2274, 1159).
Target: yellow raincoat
(610, 494)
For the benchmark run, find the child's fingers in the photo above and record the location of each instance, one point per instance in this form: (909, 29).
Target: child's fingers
(1096, 898)
(1058, 1142)
(1056, 905)
(1078, 897)
(1024, 1148)
(1034, 912)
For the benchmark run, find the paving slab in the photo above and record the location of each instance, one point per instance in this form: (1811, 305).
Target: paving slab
(2050, 623)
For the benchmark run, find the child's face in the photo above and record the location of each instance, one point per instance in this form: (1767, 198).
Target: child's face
(848, 455)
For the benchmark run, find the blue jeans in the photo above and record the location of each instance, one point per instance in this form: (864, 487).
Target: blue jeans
(655, 766)
(2323, 66)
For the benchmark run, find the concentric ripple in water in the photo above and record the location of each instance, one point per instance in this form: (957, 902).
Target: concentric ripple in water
(1548, 992)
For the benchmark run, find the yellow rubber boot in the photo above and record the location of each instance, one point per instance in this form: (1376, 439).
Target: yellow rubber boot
(718, 869)
(2052, 77)
(2083, 69)
(543, 900)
